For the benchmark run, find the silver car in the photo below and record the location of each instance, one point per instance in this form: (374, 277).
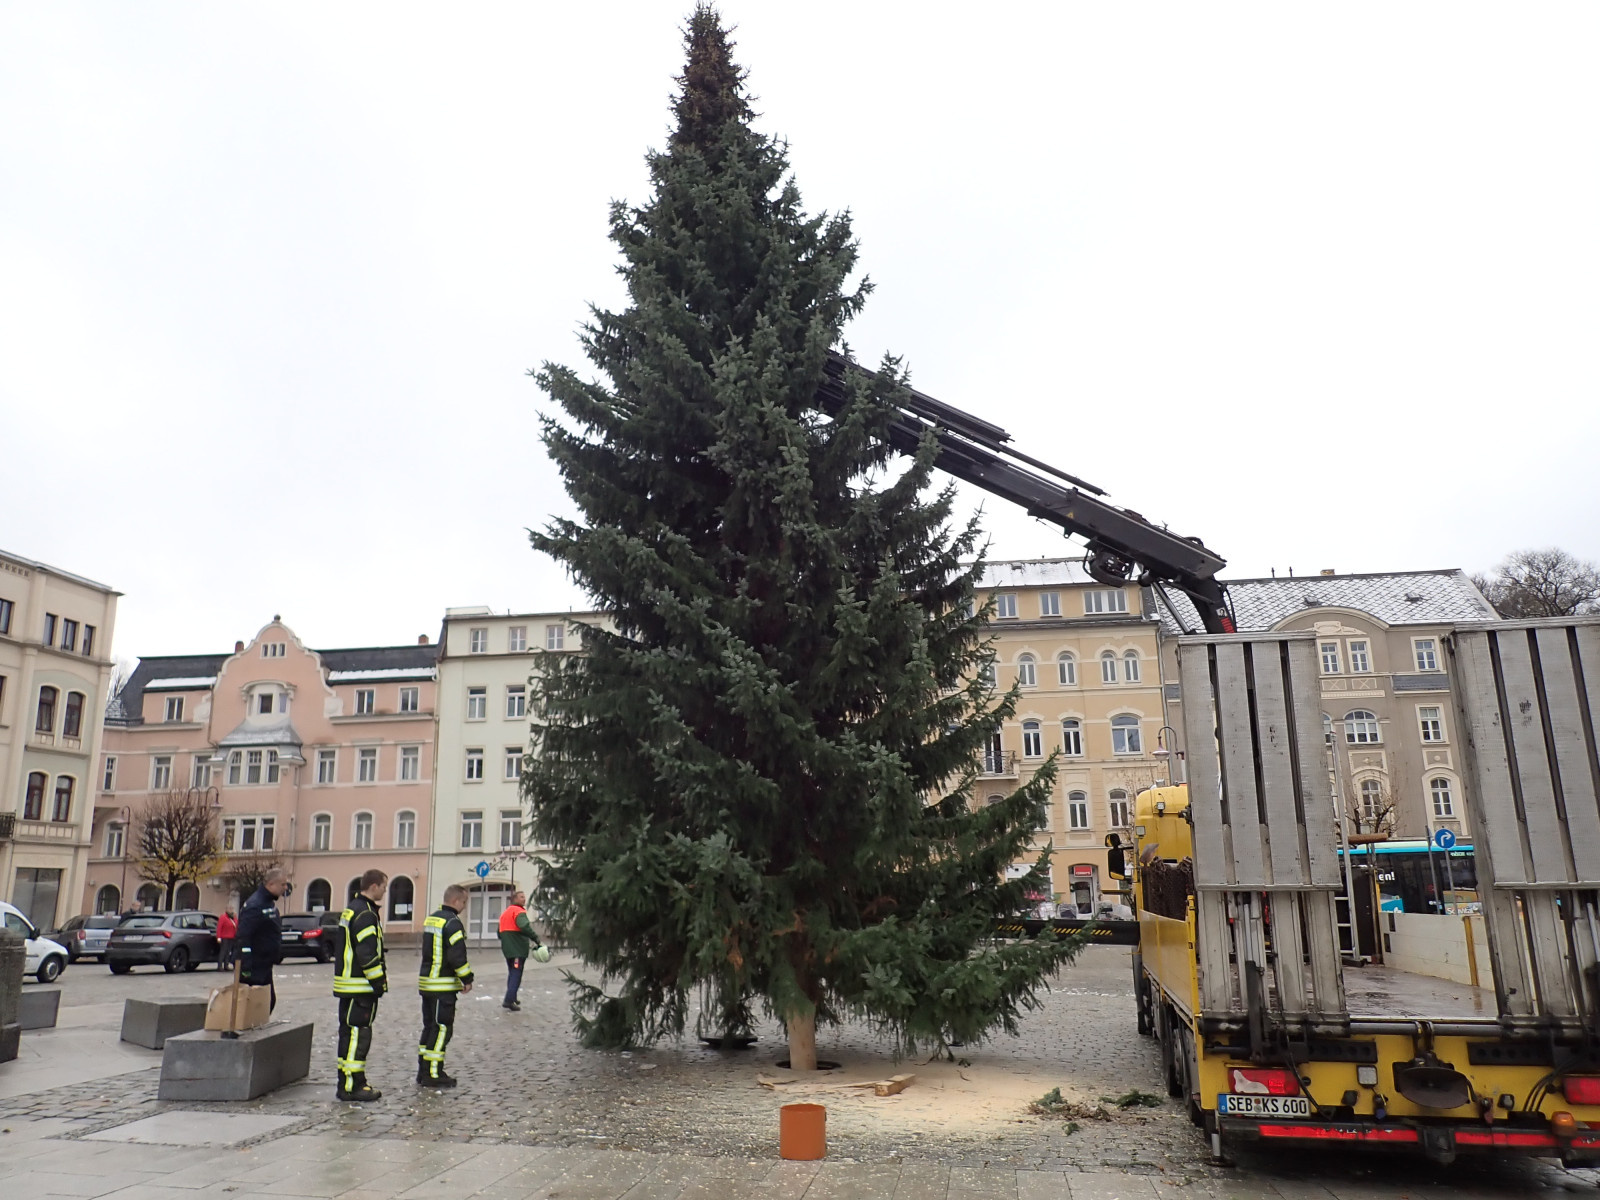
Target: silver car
(86, 937)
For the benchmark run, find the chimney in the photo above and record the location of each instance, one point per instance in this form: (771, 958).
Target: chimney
(1327, 570)
(238, 647)
(422, 639)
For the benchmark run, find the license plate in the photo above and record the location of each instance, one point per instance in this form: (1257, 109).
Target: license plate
(132, 937)
(1235, 1105)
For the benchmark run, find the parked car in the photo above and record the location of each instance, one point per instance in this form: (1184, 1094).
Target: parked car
(44, 958)
(86, 937)
(175, 941)
(305, 936)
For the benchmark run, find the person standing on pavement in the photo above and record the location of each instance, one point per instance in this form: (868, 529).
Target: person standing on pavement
(227, 929)
(443, 976)
(360, 977)
(260, 932)
(518, 942)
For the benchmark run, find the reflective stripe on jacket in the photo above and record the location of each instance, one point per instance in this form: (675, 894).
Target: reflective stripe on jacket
(360, 967)
(444, 953)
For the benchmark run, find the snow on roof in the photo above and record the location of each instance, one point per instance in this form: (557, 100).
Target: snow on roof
(182, 681)
(1033, 572)
(380, 673)
(1395, 598)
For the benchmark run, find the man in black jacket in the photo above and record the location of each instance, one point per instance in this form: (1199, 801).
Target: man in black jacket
(444, 975)
(260, 936)
(360, 976)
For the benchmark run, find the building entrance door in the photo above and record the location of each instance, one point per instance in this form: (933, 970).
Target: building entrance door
(484, 906)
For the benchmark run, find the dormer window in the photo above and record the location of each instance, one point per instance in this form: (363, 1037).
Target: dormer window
(265, 702)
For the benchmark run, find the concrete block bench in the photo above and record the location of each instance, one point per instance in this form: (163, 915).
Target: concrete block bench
(151, 1022)
(207, 1066)
(40, 1007)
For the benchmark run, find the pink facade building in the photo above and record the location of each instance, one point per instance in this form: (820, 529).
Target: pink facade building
(318, 760)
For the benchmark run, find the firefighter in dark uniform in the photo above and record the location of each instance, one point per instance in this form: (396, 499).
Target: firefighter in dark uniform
(259, 938)
(360, 976)
(444, 975)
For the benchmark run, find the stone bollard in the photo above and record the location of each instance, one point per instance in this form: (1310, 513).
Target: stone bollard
(13, 956)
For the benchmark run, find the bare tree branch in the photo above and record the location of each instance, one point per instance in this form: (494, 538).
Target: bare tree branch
(1542, 583)
(176, 840)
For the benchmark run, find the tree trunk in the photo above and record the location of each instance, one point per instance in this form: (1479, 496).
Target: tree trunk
(803, 1041)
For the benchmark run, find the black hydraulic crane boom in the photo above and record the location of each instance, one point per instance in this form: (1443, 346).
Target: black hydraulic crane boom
(1123, 547)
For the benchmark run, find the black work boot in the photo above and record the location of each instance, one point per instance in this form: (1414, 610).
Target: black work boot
(441, 1080)
(359, 1090)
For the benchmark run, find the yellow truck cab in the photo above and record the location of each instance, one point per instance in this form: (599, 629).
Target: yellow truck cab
(1264, 1028)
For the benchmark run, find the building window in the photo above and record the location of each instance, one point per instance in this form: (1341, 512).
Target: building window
(33, 799)
(202, 771)
(1371, 801)
(366, 701)
(405, 829)
(174, 708)
(1077, 810)
(474, 765)
(1049, 604)
(510, 827)
(45, 720)
(1066, 669)
(109, 776)
(319, 895)
(321, 832)
(1108, 667)
(517, 639)
(367, 765)
(1330, 658)
(1118, 805)
(62, 809)
(1432, 722)
(1427, 655)
(234, 761)
(327, 766)
(478, 641)
(160, 772)
(273, 649)
(49, 638)
(269, 832)
(72, 716)
(408, 699)
(1360, 659)
(516, 702)
(401, 897)
(410, 764)
(1113, 600)
(1125, 735)
(363, 832)
(1327, 731)
(88, 641)
(472, 831)
(513, 762)
(1361, 728)
(1032, 740)
(1027, 671)
(555, 637)
(116, 839)
(265, 700)
(69, 635)
(252, 766)
(6, 609)
(1072, 738)
(1005, 605)
(1443, 803)
(988, 675)
(477, 703)
(1130, 667)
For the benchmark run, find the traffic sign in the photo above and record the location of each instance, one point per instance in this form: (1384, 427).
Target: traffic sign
(482, 869)
(1444, 839)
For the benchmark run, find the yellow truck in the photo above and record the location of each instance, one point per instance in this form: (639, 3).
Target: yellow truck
(1235, 874)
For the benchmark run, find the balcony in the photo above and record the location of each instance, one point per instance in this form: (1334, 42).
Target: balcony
(1002, 765)
(8, 826)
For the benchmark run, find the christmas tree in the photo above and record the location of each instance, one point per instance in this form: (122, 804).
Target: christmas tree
(756, 781)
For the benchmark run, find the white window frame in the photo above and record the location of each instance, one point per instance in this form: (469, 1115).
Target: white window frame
(1329, 654)
(1131, 742)
(359, 822)
(1072, 737)
(410, 764)
(1425, 653)
(1360, 651)
(1032, 739)
(477, 703)
(108, 777)
(405, 829)
(366, 701)
(1097, 601)
(410, 699)
(327, 767)
(1431, 728)
(273, 649)
(1108, 667)
(478, 640)
(1005, 606)
(1049, 604)
(367, 764)
(1130, 666)
(517, 639)
(513, 762)
(174, 709)
(1371, 798)
(1078, 812)
(1439, 787)
(1067, 669)
(555, 637)
(322, 831)
(513, 818)
(474, 766)
(235, 768)
(116, 840)
(471, 823)
(160, 772)
(516, 701)
(1364, 730)
(200, 770)
(1027, 671)
(1116, 801)
(266, 702)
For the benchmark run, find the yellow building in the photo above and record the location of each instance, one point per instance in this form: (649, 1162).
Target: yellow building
(1086, 659)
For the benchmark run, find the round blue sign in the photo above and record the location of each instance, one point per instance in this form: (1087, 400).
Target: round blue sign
(482, 869)
(1444, 839)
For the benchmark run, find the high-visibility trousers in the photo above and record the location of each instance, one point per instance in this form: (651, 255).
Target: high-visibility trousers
(356, 1014)
(438, 1022)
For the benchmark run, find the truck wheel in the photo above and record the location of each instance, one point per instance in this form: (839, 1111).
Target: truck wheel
(1141, 1000)
(1170, 1051)
(1191, 1083)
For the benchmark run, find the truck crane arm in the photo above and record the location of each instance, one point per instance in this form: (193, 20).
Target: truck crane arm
(1123, 547)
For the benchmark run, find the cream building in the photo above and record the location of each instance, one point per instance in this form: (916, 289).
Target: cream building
(55, 671)
(1086, 660)
(486, 661)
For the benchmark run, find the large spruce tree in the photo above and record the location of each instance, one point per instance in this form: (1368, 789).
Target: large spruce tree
(757, 782)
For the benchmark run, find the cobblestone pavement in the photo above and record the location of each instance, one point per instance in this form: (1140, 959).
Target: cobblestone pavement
(526, 1082)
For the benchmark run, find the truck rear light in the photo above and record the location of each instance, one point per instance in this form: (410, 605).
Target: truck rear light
(1263, 1081)
(1581, 1089)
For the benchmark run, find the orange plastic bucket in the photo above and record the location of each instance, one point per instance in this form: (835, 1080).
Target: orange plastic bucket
(803, 1131)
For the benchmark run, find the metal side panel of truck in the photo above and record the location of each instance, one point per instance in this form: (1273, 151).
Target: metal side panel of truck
(1239, 972)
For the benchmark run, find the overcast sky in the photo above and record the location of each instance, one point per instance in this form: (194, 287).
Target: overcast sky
(1317, 283)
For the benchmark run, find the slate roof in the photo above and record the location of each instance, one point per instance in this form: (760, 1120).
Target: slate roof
(1033, 572)
(1396, 598)
(151, 672)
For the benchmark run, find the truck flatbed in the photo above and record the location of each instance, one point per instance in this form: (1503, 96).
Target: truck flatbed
(1377, 993)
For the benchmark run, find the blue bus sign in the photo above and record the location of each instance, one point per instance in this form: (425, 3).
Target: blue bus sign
(482, 869)
(1444, 839)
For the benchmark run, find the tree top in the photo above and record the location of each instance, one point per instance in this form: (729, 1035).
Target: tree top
(712, 83)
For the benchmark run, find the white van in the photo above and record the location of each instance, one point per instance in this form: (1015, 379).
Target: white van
(46, 959)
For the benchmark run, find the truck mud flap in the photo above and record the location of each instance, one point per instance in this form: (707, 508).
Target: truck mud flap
(1101, 933)
(1438, 1142)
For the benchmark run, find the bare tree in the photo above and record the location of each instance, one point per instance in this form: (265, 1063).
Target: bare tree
(248, 871)
(1542, 583)
(1371, 811)
(177, 840)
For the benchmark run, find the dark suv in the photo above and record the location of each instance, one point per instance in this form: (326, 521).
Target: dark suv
(177, 941)
(305, 936)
